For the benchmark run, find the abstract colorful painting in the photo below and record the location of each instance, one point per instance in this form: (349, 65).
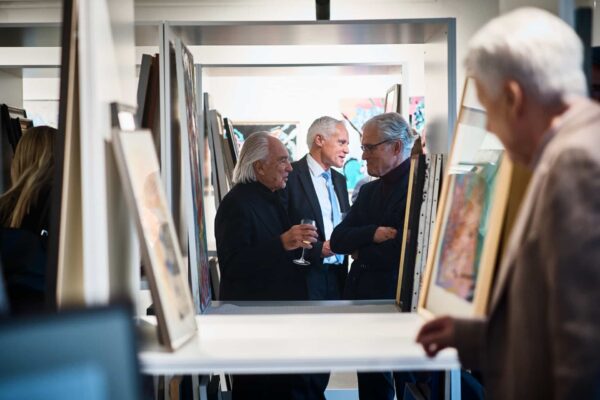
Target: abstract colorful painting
(416, 113)
(464, 230)
(356, 112)
(466, 242)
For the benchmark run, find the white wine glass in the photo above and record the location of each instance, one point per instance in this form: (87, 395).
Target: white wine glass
(301, 260)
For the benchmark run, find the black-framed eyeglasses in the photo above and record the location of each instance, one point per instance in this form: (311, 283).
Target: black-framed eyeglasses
(371, 147)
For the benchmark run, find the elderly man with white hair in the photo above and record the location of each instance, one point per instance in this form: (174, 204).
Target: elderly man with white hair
(255, 243)
(541, 338)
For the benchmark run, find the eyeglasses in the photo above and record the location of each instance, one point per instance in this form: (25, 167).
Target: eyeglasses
(371, 147)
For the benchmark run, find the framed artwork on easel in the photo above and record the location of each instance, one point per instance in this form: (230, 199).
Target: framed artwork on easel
(465, 245)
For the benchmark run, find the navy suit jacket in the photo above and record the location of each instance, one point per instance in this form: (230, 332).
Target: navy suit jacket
(301, 201)
(374, 275)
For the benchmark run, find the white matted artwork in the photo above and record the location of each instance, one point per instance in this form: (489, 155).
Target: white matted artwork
(465, 245)
(163, 262)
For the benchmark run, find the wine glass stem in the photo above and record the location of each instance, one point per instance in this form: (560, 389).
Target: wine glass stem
(302, 256)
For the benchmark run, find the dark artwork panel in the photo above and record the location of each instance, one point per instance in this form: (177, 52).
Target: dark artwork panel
(285, 131)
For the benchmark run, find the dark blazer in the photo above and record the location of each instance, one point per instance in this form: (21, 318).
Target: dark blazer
(253, 263)
(374, 275)
(300, 199)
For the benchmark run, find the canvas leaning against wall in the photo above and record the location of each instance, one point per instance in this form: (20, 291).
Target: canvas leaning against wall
(139, 170)
(193, 190)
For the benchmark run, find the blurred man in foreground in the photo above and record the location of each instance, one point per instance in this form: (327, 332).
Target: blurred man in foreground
(541, 339)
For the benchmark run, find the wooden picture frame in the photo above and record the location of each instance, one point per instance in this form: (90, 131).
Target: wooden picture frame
(164, 266)
(393, 99)
(465, 246)
(64, 273)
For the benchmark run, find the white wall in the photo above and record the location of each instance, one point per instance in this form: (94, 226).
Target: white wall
(11, 88)
(306, 92)
(470, 15)
(299, 97)
(41, 91)
(550, 5)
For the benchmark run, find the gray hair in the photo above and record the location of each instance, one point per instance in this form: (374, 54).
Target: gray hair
(255, 148)
(533, 47)
(391, 126)
(324, 126)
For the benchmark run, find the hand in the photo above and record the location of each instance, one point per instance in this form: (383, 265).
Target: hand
(299, 236)
(436, 335)
(384, 233)
(326, 250)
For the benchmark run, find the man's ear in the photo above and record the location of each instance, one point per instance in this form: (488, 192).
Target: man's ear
(397, 147)
(319, 139)
(258, 168)
(514, 99)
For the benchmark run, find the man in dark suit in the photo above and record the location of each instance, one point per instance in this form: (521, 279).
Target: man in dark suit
(255, 243)
(316, 191)
(371, 229)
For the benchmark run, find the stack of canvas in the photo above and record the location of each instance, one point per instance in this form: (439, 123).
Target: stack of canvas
(426, 173)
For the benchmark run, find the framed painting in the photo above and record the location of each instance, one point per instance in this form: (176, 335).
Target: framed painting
(416, 113)
(393, 99)
(164, 267)
(193, 181)
(357, 111)
(466, 240)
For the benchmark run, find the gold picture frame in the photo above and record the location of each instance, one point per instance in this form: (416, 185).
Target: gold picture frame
(467, 236)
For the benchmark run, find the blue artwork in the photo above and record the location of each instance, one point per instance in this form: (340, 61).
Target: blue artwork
(416, 113)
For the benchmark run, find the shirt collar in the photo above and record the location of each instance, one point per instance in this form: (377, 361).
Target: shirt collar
(313, 166)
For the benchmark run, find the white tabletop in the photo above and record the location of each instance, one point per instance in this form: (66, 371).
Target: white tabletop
(280, 343)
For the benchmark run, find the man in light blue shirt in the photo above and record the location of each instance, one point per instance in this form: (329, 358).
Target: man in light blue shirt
(316, 191)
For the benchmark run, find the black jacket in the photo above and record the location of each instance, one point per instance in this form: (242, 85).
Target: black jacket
(374, 275)
(300, 199)
(253, 263)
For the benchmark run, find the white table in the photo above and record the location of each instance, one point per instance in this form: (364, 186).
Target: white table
(307, 340)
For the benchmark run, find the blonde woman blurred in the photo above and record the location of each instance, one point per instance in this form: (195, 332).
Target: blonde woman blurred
(24, 220)
(26, 204)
